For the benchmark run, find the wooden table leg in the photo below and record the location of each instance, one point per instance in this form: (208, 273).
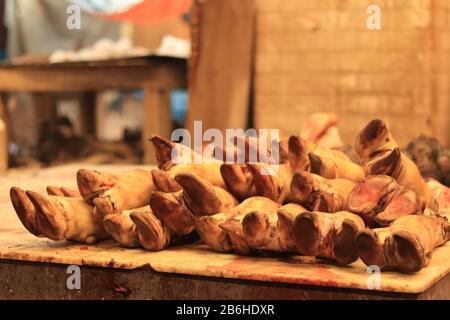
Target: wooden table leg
(5, 132)
(87, 113)
(157, 119)
(44, 110)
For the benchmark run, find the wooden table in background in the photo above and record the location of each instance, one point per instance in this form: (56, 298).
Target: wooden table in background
(36, 268)
(156, 76)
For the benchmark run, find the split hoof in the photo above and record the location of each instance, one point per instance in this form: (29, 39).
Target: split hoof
(25, 210)
(50, 216)
(151, 233)
(164, 182)
(172, 213)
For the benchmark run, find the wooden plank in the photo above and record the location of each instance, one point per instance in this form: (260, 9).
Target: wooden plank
(220, 70)
(38, 61)
(61, 79)
(196, 259)
(20, 280)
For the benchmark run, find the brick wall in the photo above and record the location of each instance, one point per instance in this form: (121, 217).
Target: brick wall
(319, 56)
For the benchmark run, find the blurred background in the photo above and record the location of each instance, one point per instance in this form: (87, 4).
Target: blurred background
(91, 80)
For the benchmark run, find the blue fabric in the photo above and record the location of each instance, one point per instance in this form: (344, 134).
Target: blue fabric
(178, 105)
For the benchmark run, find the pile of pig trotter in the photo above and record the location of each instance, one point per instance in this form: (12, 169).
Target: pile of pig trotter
(317, 203)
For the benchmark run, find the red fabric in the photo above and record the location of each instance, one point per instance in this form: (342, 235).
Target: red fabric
(151, 11)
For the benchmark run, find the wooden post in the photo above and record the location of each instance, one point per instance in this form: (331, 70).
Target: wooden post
(4, 154)
(44, 110)
(221, 64)
(4, 133)
(88, 113)
(157, 119)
